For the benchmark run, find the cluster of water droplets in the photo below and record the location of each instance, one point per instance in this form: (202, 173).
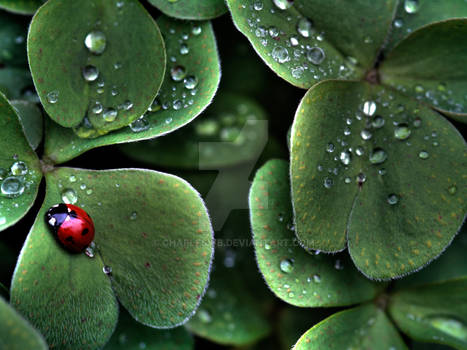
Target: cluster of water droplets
(447, 325)
(411, 7)
(303, 51)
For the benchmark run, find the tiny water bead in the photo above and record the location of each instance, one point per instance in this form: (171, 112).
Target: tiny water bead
(178, 73)
(369, 108)
(377, 122)
(95, 42)
(110, 114)
(184, 49)
(393, 199)
(402, 131)
(345, 157)
(423, 155)
(133, 216)
(12, 187)
(411, 6)
(330, 148)
(359, 151)
(283, 4)
(378, 156)
(328, 182)
(140, 124)
(90, 73)
(19, 168)
(304, 27)
(315, 55)
(286, 265)
(280, 54)
(204, 316)
(452, 189)
(69, 196)
(317, 278)
(52, 97)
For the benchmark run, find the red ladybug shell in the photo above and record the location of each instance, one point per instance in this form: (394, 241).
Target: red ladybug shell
(72, 226)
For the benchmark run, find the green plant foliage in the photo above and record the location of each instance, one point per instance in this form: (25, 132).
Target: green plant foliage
(232, 130)
(412, 15)
(229, 314)
(191, 9)
(20, 172)
(131, 46)
(364, 328)
(429, 65)
(433, 313)
(24, 7)
(14, 82)
(13, 33)
(15, 332)
(336, 42)
(30, 117)
(201, 62)
(403, 155)
(131, 335)
(296, 276)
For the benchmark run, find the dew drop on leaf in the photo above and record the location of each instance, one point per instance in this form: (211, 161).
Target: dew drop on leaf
(366, 134)
(286, 265)
(315, 55)
(190, 82)
(140, 124)
(69, 196)
(393, 199)
(107, 270)
(304, 27)
(280, 54)
(110, 114)
(327, 183)
(12, 187)
(258, 5)
(452, 189)
(283, 4)
(402, 131)
(19, 168)
(178, 73)
(449, 325)
(196, 30)
(411, 6)
(97, 108)
(345, 157)
(90, 73)
(378, 156)
(330, 148)
(204, 316)
(95, 42)
(52, 97)
(369, 108)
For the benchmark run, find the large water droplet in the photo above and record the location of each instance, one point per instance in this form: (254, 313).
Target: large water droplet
(423, 155)
(19, 168)
(69, 196)
(449, 325)
(411, 6)
(283, 4)
(393, 199)
(378, 156)
(286, 265)
(304, 27)
(12, 187)
(402, 131)
(95, 41)
(52, 97)
(140, 124)
(345, 157)
(178, 73)
(90, 73)
(369, 108)
(110, 114)
(315, 55)
(280, 54)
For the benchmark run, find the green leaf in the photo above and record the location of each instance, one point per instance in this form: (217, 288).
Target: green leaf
(349, 37)
(301, 278)
(65, 296)
(14, 82)
(364, 328)
(202, 62)
(409, 176)
(13, 31)
(429, 65)
(133, 47)
(131, 335)
(433, 313)
(153, 231)
(15, 332)
(191, 9)
(229, 314)
(30, 117)
(20, 171)
(231, 131)
(24, 7)
(412, 15)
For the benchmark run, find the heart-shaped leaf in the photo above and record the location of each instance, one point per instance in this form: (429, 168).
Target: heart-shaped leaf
(15, 83)
(24, 7)
(430, 66)
(308, 41)
(414, 14)
(13, 31)
(433, 313)
(231, 131)
(20, 171)
(101, 44)
(30, 117)
(229, 314)
(58, 291)
(296, 276)
(360, 149)
(197, 54)
(364, 328)
(16, 333)
(191, 9)
(131, 335)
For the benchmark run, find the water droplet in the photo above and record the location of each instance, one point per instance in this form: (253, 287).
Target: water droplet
(273, 32)
(3, 173)
(398, 23)
(120, 4)
(347, 180)
(184, 49)
(369, 108)
(204, 316)
(286, 265)
(178, 73)
(283, 4)
(423, 155)
(293, 41)
(452, 189)
(258, 5)
(280, 54)
(382, 171)
(393, 199)
(366, 134)
(140, 124)
(378, 156)
(347, 131)
(377, 122)
(2, 220)
(177, 104)
(417, 122)
(359, 151)
(402, 131)
(69, 196)
(330, 148)
(304, 27)
(89, 252)
(12, 187)
(316, 278)
(107, 270)
(133, 216)
(114, 91)
(82, 186)
(449, 325)
(338, 265)
(95, 42)
(315, 55)
(90, 73)
(117, 65)
(411, 6)
(361, 178)
(345, 157)
(97, 108)
(328, 182)
(52, 97)
(196, 30)
(72, 178)
(19, 168)
(419, 89)
(109, 114)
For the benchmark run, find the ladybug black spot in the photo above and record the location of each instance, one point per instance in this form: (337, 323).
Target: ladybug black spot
(73, 214)
(84, 232)
(69, 239)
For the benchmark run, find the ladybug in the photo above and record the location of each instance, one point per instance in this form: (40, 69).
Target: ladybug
(71, 225)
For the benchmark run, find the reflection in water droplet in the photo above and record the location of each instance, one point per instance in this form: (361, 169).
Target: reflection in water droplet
(452, 189)
(366, 134)
(398, 23)
(190, 82)
(345, 158)
(107, 270)
(315, 55)
(140, 124)
(52, 97)
(378, 122)
(393, 199)
(90, 73)
(196, 30)
(402, 131)
(69, 196)
(378, 156)
(283, 4)
(12, 187)
(280, 54)
(369, 108)
(95, 42)
(184, 49)
(316, 278)
(330, 148)
(411, 6)
(97, 108)
(304, 27)
(109, 114)
(258, 5)
(19, 168)
(450, 326)
(286, 265)
(327, 182)
(178, 73)
(423, 155)
(359, 151)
